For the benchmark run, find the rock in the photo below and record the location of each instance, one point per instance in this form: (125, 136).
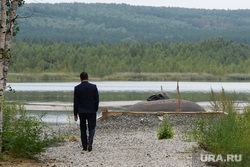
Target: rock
(73, 139)
(142, 121)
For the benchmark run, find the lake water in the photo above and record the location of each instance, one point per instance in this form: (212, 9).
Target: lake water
(111, 91)
(137, 86)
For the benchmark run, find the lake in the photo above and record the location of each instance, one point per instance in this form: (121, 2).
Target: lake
(115, 91)
(137, 86)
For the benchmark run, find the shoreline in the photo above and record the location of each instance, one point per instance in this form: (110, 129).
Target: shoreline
(60, 106)
(54, 116)
(129, 76)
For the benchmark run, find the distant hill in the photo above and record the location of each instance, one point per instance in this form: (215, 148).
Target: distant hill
(111, 23)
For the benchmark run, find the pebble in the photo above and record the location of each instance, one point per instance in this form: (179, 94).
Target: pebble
(125, 141)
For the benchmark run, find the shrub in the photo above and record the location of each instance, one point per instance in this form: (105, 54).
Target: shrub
(229, 134)
(166, 129)
(22, 133)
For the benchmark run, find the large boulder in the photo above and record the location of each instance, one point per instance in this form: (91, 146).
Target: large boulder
(165, 105)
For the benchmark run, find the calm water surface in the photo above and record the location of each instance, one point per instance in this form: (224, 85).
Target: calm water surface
(138, 86)
(118, 91)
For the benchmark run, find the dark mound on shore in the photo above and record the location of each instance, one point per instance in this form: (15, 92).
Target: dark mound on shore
(166, 105)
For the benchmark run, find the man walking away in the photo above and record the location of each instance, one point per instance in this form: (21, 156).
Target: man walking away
(86, 103)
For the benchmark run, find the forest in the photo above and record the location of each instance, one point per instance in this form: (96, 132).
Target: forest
(213, 56)
(106, 39)
(112, 23)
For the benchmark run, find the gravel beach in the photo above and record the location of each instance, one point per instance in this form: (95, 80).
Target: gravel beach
(125, 141)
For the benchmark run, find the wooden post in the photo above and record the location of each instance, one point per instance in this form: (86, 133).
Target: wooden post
(104, 113)
(160, 113)
(179, 99)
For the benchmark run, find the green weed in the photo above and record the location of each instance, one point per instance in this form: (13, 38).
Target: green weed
(229, 134)
(165, 130)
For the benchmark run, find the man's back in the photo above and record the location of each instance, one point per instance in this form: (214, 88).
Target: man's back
(86, 98)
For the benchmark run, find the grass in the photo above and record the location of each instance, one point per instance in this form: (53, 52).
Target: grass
(229, 134)
(176, 76)
(126, 76)
(43, 77)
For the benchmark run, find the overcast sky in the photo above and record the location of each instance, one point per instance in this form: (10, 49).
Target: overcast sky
(203, 4)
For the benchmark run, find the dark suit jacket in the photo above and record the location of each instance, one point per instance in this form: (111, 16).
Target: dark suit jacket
(86, 98)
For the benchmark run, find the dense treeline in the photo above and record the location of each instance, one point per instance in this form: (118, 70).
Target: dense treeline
(215, 56)
(112, 23)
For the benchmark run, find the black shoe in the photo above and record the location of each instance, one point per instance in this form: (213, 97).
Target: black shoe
(84, 149)
(90, 145)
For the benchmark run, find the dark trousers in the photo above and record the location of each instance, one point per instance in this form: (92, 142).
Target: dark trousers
(91, 118)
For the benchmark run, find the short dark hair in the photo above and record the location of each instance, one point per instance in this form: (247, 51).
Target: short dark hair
(84, 76)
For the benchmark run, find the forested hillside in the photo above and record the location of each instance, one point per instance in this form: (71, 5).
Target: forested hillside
(215, 56)
(79, 22)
